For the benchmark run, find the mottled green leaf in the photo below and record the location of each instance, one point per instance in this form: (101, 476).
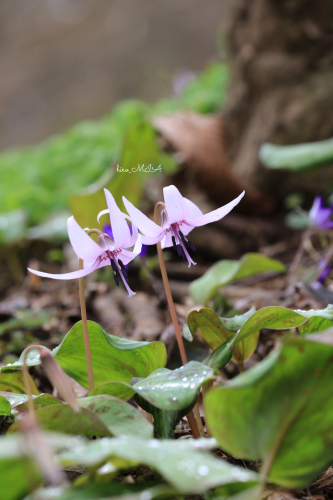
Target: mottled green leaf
(113, 358)
(183, 465)
(280, 412)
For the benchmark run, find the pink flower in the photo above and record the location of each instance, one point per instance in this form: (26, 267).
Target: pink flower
(107, 250)
(179, 217)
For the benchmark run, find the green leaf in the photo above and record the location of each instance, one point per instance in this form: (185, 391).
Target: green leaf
(113, 358)
(13, 382)
(17, 400)
(102, 491)
(61, 418)
(99, 416)
(285, 416)
(181, 464)
(228, 271)
(121, 418)
(5, 407)
(166, 389)
(222, 355)
(174, 390)
(234, 324)
(297, 157)
(18, 474)
(318, 321)
(212, 330)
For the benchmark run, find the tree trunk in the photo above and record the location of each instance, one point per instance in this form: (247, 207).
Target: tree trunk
(281, 58)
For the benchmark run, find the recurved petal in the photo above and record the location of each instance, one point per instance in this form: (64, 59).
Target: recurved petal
(103, 212)
(119, 225)
(175, 205)
(140, 220)
(146, 240)
(194, 211)
(215, 214)
(68, 276)
(126, 256)
(83, 245)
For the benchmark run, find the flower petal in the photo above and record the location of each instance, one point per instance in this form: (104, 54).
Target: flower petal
(167, 240)
(126, 256)
(175, 205)
(68, 276)
(138, 245)
(194, 211)
(119, 225)
(146, 226)
(83, 245)
(215, 214)
(146, 240)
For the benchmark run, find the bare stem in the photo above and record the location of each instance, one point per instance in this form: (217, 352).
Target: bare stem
(190, 417)
(84, 321)
(27, 385)
(240, 366)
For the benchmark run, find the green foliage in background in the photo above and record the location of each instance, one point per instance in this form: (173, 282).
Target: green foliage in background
(37, 182)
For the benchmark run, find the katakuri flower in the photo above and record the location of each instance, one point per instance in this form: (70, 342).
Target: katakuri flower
(319, 216)
(179, 217)
(107, 250)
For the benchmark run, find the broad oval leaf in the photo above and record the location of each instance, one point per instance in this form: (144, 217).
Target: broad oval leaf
(166, 389)
(99, 416)
(183, 465)
(113, 358)
(227, 271)
(284, 416)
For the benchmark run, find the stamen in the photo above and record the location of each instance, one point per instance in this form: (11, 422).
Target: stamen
(186, 242)
(174, 244)
(180, 251)
(191, 246)
(116, 280)
(113, 265)
(123, 269)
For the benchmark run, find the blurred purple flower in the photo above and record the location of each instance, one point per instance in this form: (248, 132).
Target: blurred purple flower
(319, 216)
(324, 269)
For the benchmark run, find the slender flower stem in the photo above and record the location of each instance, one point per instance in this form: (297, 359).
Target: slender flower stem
(84, 321)
(26, 381)
(190, 417)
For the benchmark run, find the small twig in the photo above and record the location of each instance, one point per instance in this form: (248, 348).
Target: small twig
(190, 417)
(84, 321)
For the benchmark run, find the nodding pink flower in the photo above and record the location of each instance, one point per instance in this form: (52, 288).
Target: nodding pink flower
(320, 216)
(107, 250)
(179, 217)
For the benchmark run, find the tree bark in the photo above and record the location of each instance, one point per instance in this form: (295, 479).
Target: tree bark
(281, 58)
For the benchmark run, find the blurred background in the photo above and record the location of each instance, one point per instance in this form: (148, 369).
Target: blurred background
(63, 61)
(223, 95)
